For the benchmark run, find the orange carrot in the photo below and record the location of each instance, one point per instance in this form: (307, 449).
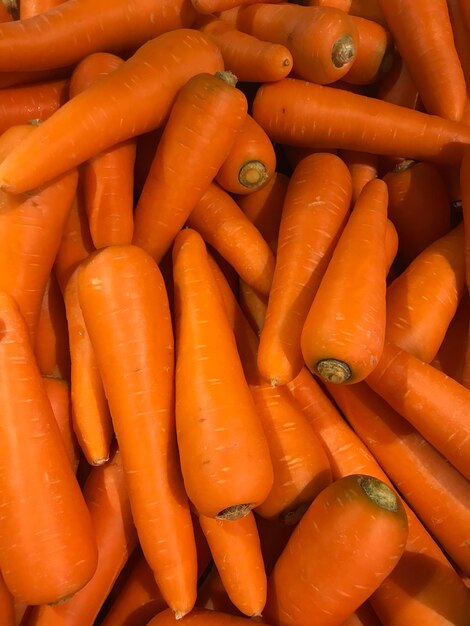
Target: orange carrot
(358, 521)
(48, 549)
(391, 245)
(397, 86)
(450, 357)
(368, 9)
(132, 339)
(363, 616)
(224, 455)
(423, 35)
(316, 208)
(298, 112)
(8, 10)
(200, 617)
(140, 93)
(214, 6)
(223, 225)
(374, 53)
(363, 166)
(205, 118)
(253, 305)
(212, 594)
(28, 8)
(460, 32)
(342, 338)
(7, 605)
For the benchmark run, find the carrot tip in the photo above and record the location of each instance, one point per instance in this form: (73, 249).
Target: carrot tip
(227, 76)
(333, 371)
(343, 51)
(98, 462)
(379, 492)
(237, 511)
(179, 614)
(253, 174)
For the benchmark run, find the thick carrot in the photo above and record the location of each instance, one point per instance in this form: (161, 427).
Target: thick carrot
(224, 455)
(437, 492)
(248, 57)
(236, 551)
(140, 93)
(423, 299)
(342, 337)
(397, 86)
(251, 161)
(214, 6)
(90, 411)
(29, 8)
(200, 617)
(363, 167)
(65, 34)
(435, 404)
(298, 112)
(31, 228)
(204, 120)
(322, 40)
(419, 206)
(106, 496)
(107, 179)
(358, 521)
(423, 35)
(316, 208)
(48, 549)
(369, 9)
(374, 53)
(223, 225)
(132, 338)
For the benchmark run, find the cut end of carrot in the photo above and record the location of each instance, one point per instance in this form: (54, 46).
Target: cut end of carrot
(379, 492)
(227, 76)
(253, 174)
(333, 371)
(179, 614)
(237, 511)
(343, 51)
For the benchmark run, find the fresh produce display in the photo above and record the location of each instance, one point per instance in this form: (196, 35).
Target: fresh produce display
(234, 313)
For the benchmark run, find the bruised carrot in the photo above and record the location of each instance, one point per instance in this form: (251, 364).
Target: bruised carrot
(363, 167)
(207, 114)
(316, 208)
(224, 455)
(223, 225)
(298, 112)
(342, 338)
(132, 338)
(358, 521)
(107, 179)
(58, 392)
(140, 93)
(322, 40)
(374, 53)
(249, 58)
(48, 549)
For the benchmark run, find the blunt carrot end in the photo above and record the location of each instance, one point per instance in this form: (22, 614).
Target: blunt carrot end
(252, 174)
(379, 492)
(343, 51)
(228, 76)
(333, 371)
(237, 511)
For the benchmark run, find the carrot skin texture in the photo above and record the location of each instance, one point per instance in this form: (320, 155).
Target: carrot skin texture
(58, 392)
(403, 133)
(142, 91)
(50, 525)
(124, 283)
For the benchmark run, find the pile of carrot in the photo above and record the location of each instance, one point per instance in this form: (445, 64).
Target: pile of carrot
(234, 313)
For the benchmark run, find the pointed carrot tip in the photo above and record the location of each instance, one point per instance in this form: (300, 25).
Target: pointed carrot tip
(180, 614)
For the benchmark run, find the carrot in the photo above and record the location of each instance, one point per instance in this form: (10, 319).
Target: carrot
(107, 500)
(435, 404)
(224, 455)
(374, 53)
(29, 8)
(391, 246)
(48, 549)
(437, 493)
(235, 548)
(107, 178)
(423, 588)
(90, 411)
(253, 305)
(133, 343)
(205, 118)
(212, 594)
(358, 521)
(461, 33)
(298, 112)
(7, 605)
(223, 225)
(423, 36)
(31, 227)
(464, 170)
(423, 299)
(342, 340)
(363, 166)
(8, 10)
(214, 6)
(450, 358)
(51, 344)
(140, 93)
(200, 617)
(322, 40)
(248, 57)
(68, 32)
(368, 9)
(146, 145)
(363, 616)
(316, 208)
(251, 161)
(397, 86)
(419, 207)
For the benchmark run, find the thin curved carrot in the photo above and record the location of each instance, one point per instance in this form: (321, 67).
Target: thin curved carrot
(397, 86)
(29, 8)
(358, 521)
(316, 209)
(132, 338)
(205, 118)
(322, 40)
(236, 551)
(58, 392)
(419, 207)
(91, 416)
(423, 35)
(363, 166)
(223, 225)
(342, 338)
(251, 161)
(48, 549)
(107, 179)
(140, 93)
(223, 450)
(298, 112)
